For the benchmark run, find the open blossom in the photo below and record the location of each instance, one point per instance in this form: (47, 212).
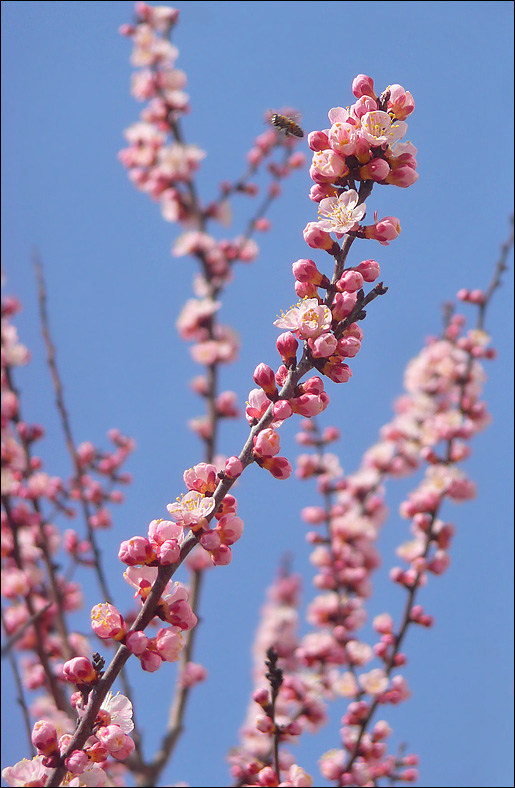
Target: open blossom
(341, 214)
(378, 129)
(375, 682)
(308, 319)
(26, 772)
(106, 622)
(192, 509)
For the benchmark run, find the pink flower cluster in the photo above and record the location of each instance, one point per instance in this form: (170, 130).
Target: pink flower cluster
(299, 703)
(436, 417)
(85, 766)
(163, 166)
(39, 595)
(362, 146)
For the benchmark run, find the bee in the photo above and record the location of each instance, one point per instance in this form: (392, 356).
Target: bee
(286, 124)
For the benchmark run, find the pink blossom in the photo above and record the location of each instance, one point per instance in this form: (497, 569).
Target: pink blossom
(233, 467)
(79, 670)
(117, 743)
(384, 230)
(136, 642)
(169, 643)
(378, 129)
(279, 467)
(308, 319)
(107, 622)
(137, 550)
(202, 478)
(192, 509)
(375, 682)
(27, 772)
(327, 166)
(44, 737)
(341, 214)
(400, 102)
(193, 674)
(343, 304)
(267, 443)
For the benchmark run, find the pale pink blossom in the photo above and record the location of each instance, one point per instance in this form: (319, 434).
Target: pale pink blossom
(341, 214)
(307, 319)
(169, 643)
(26, 772)
(192, 509)
(117, 743)
(378, 129)
(375, 682)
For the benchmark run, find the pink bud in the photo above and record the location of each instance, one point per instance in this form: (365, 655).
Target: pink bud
(306, 271)
(233, 467)
(169, 552)
(318, 140)
(264, 376)
(210, 540)
(282, 410)
(76, 763)
(343, 304)
(316, 238)
(305, 289)
(222, 556)
(279, 467)
(44, 737)
(136, 550)
(79, 670)
(350, 281)
(384, 231)
(136, 642)
(287, 346)
(375, 170)
(169, 643)
(402, 176)
(363, 86)
(261, 696)
(150, 661)
(267, 443)
(264, 723)
(369, 270)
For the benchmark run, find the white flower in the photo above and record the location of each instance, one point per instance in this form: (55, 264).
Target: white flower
(120, 709)
(377, 128)
(340, 214)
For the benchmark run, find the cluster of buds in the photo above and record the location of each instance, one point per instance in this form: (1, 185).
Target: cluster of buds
(163, 166)
(191, 512)
(436, 417)
(289, 703)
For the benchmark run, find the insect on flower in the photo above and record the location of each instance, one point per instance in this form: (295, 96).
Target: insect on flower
(287, 124)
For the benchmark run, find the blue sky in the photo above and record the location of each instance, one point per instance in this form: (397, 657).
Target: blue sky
(115, 292)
